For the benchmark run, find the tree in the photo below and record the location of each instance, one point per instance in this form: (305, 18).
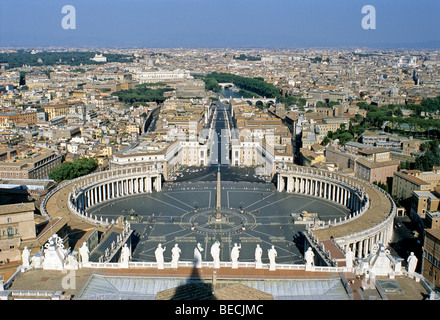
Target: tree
(72, 170)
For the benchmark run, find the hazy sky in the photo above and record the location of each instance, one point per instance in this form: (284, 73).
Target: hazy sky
(220, 23)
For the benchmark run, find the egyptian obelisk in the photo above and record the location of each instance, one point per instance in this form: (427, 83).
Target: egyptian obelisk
(218, 215)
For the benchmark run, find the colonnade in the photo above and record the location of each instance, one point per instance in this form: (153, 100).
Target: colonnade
(109, 185)
(349, 192)
(362, 246)
(109, 190)
(344, 194)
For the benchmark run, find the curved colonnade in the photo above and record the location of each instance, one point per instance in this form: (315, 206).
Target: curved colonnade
(110, 185)
(370, 221)
(372, 209)
(88, 191)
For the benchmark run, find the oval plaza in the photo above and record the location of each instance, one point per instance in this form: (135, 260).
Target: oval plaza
(304, 223)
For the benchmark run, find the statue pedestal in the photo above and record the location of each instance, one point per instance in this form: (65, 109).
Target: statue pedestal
(310, 267)
(216, 219)
(53, 260)
(258, 265)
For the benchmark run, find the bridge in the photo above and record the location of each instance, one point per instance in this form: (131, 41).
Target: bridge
(226, 85)
(251, 100)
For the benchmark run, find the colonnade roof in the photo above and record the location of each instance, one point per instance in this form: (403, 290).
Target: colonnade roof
(380, 208)
(57, 207)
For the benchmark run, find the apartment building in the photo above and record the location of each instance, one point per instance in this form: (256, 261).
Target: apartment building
(57, 110)
(169, 155)
(422, 202)
(408, 180)
(431, 256)
(375, 154)
(405, 182)
(331, 124)
(432, 220)
(35, 166)
(16, 224)
(381, 171)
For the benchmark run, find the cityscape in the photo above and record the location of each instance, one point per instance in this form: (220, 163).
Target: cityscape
(219, 173)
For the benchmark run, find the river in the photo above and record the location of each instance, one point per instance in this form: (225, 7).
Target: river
(229, 94)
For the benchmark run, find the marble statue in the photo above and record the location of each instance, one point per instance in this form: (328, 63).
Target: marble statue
(349, 257)
(72, 262)
(37, 260)
(272, 253)
(54, 254)
(125, 255)
(25, 257)
(309, 256)
(84, 253)
(235, 253)
(198, 256)
(412, 263)
(215, 254)
(158, 253)
(258, 254)
(175, 256)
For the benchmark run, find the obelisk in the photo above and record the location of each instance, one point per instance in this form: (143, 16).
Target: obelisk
(218, 214)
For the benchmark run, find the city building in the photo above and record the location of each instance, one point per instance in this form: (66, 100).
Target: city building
(432, 220)
(382, 171)
(35, 166)
(422, 202)
(16, 224)
(406, 181)
(431, 256)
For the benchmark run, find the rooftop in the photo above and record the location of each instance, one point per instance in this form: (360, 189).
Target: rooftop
(17, 208)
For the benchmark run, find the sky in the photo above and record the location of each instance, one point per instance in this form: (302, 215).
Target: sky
(219, 24)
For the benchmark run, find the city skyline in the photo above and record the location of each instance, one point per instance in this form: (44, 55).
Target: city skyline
(232, 24)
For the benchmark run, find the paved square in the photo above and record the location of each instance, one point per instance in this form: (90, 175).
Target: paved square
(183, 213)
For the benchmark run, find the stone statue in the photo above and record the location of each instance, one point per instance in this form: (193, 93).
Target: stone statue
(215, 254)
(235, 253)
(84, 253)
(175, 256)
(25, 256)
(158, 253)
(258, 254)
(37, 260)
(54, 254)
(72, 262)
(198, 256)
(272, 253)
(412, 263)
(125, 255)
(309, 256)
(349, 257)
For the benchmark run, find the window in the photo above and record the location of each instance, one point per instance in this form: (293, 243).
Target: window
(430, 257)
(436, 262)
(10, 231)
(11, 247)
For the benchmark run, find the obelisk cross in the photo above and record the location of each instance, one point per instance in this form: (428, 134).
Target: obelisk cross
(218, 214)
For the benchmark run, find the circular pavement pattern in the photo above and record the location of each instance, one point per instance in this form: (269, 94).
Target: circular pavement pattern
(184, 213)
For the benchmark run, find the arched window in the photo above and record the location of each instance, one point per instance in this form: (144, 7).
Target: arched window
(10, 231)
